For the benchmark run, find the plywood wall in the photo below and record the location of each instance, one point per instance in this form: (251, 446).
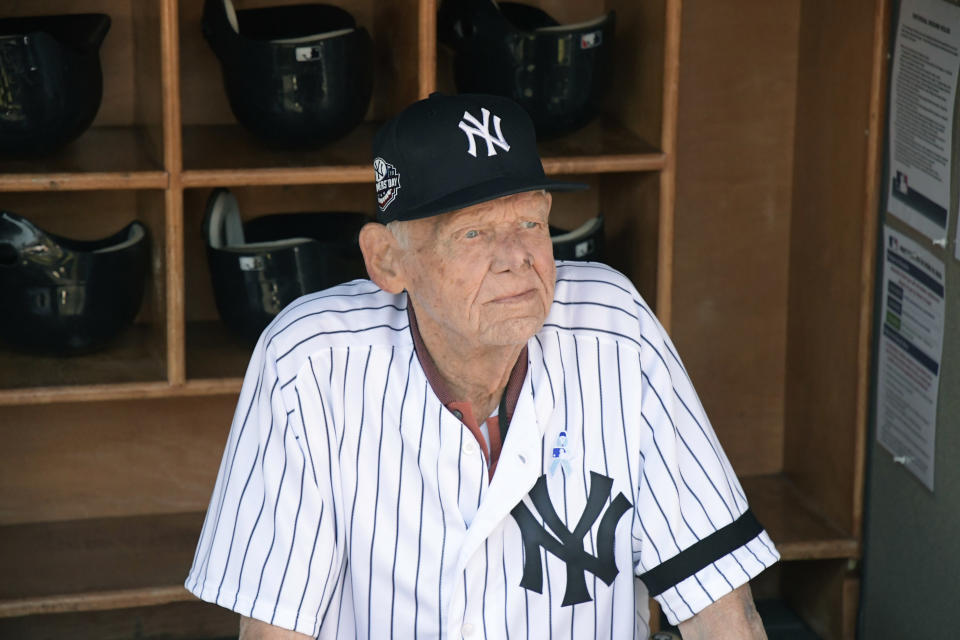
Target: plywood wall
(735, 139)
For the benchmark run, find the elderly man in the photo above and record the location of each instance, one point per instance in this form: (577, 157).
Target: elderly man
(481, 442)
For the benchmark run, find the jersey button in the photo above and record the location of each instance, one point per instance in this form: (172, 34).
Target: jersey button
(470, 447)
(468, 630)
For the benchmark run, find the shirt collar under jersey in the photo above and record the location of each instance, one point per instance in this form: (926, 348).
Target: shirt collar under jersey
(439, 386)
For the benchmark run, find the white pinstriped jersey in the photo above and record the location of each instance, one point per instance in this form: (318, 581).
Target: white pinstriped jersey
(350, 502)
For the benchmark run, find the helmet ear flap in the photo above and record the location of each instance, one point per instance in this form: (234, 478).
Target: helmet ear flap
(222, 226)
(231, 14)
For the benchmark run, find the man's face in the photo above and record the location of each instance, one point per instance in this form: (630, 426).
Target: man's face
(483, 275)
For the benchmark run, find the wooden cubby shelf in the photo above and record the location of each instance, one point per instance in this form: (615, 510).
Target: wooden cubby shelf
(799, 532)
(96, 564)
(603, 146)
(227, 155)
(136, 356)
(102, 158)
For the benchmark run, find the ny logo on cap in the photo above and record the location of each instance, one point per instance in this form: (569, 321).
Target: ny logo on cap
(472, 127)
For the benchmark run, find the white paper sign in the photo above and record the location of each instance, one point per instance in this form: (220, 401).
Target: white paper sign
(911, 348)
(922, 95)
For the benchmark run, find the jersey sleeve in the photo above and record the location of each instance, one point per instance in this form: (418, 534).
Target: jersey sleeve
(268, 548)
(695, 538)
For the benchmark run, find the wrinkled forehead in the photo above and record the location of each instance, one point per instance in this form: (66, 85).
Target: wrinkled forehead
(423, 232)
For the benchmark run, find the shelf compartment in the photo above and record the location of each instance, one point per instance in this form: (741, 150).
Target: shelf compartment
(213, 353)
(798, 531)
(122, 458)
(97, 564)
(123, 148)
(137, 354)
(401, 61)
(226, 155)
(101, 158)
(603, 146)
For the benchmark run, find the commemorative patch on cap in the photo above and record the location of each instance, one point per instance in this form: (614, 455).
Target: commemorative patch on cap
(388, 182)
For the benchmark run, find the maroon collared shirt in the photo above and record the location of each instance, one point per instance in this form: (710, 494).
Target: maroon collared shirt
(461, 409)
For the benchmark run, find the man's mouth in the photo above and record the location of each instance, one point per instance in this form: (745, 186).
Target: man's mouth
(522, 296)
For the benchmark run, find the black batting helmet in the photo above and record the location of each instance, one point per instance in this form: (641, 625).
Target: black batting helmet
(261, 266)
(51, 83)
(557, 72)
(67, 296)
(583, 243)
(295, 76)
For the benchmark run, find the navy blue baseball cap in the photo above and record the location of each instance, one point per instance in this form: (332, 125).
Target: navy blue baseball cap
(449, 152)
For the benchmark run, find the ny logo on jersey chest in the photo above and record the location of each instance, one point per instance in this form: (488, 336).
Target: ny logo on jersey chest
(568, 545)
(473, 127)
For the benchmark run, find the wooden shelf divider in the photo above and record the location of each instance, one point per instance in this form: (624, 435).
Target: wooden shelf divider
(273, 176)
(116, 180)
(120, 391)
(94, 601)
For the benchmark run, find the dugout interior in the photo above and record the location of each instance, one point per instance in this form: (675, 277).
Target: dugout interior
(735, 162)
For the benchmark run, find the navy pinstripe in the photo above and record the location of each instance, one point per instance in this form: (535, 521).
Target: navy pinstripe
(396, 538)
(376, 499)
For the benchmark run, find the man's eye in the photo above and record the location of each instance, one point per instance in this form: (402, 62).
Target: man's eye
(530, 224)
(472, 233)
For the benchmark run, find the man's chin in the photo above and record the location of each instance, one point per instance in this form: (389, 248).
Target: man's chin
(513, 331)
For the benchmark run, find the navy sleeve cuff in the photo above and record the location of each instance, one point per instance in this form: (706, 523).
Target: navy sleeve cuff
(702, 554)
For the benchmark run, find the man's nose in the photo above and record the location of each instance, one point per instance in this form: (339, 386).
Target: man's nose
(511, 251)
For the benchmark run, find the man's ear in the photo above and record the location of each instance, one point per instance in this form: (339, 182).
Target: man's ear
(381, 253)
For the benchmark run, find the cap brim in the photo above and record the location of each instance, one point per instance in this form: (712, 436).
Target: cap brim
(483, 192)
